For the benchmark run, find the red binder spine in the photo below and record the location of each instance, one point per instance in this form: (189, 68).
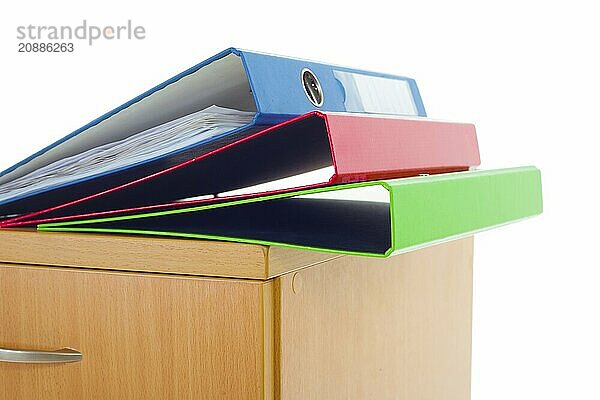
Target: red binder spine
(362, 148)
(396, 147)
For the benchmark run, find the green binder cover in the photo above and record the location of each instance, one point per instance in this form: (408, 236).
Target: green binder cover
(377, 218)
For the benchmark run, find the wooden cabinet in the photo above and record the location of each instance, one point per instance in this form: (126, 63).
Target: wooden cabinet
(230, 321)
(141, 336)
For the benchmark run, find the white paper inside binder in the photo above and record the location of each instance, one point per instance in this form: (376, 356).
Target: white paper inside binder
(148, 144)
(222, 82)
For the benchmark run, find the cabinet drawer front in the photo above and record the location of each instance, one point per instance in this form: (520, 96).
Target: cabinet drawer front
(140, 336)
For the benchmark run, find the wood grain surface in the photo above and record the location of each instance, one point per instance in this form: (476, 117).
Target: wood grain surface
(360, 328)
(142, 336)
(153, 254)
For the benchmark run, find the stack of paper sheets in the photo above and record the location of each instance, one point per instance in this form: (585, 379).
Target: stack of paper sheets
(149, 144)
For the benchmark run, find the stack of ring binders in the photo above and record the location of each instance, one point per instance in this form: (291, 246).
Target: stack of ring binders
(256, 148)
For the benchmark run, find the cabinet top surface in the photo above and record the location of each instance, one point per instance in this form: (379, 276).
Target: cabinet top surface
(163, 255)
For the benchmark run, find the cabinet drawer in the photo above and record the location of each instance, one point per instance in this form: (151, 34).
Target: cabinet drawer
(142, 336)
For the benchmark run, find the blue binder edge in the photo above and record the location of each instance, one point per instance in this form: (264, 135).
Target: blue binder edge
(276, 95)
(120, 108)
(260, 60)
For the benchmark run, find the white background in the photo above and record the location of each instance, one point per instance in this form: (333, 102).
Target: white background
(526, 73)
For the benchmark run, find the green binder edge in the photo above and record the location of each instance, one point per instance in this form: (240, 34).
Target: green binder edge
(424, 210)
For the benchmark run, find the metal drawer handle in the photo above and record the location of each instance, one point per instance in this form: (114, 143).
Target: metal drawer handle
(39, 356)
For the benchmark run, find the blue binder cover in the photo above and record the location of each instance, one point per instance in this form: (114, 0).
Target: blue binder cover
(275, 88)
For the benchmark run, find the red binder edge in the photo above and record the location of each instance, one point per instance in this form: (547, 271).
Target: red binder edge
(425, 147)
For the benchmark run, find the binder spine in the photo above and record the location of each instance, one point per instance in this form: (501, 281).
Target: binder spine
(438, 208)
(397, 147)
(278, 87)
